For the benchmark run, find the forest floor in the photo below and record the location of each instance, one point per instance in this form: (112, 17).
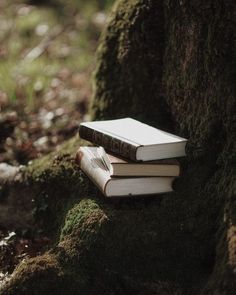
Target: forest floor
(46, 62)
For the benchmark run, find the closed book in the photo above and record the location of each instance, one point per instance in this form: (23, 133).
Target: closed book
(93, 166)
(122, 167)
(132, 139)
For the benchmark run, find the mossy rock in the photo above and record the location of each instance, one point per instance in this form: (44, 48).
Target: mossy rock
(172, 63)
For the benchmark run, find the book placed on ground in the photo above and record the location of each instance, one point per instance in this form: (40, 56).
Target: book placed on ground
(94, 167)
(118, 166)
(133, 140)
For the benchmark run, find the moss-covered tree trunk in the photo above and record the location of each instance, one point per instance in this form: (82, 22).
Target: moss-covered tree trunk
(169, 63)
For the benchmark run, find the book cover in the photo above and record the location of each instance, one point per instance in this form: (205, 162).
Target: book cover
(118, 166)
(92, 165)
(132, 139)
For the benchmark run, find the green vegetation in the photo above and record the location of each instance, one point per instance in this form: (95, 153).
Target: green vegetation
(179, 243)
(39, 41)
(46, 61)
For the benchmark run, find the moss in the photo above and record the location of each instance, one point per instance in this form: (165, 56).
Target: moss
(96, 237)
(88, 212)
(131, 48)
(56, 182)
(191, 72)
(54, 164)
(172, 63)
(135, 242)
(37, 275)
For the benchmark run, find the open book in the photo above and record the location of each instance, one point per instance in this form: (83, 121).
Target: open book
(122, 167)
(95, 168)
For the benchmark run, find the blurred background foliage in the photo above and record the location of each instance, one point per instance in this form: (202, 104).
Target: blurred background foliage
(74, 4)
(47, 56)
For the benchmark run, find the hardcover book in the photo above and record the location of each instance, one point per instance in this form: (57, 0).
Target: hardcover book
(121, 167)
(93, 166)
(132, 139)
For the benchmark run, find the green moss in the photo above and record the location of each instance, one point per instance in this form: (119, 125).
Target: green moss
(38, 275)
(137, 241)
(129, 66)
(85, 210)
(172, 64)
(57, 183)
(122, 241)
(52, 165)
(179, 85)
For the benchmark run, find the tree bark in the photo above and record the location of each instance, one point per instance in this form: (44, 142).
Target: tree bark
(168, 63)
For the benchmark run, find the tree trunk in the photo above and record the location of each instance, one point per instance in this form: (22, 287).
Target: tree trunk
(168, 63)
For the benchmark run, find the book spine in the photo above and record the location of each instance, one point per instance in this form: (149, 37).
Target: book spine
(110, 143)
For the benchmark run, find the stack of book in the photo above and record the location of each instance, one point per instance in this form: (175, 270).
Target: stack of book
(130, 158)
